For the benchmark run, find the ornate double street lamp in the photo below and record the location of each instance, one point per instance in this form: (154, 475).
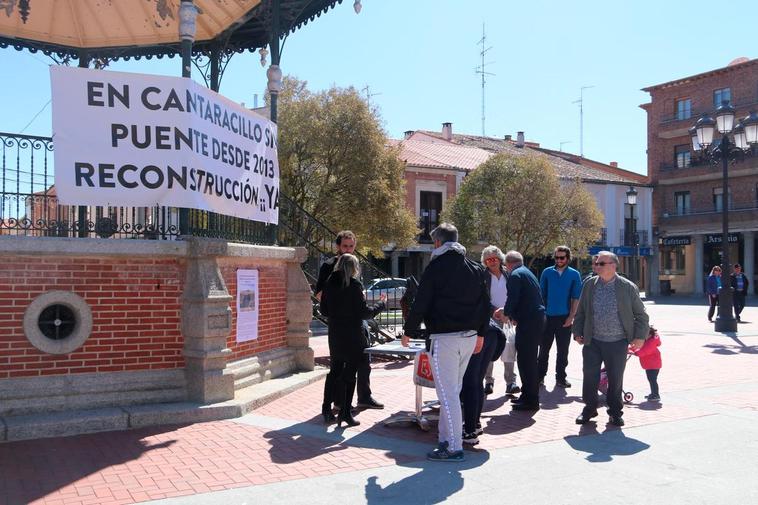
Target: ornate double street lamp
(631, 200)
(745, 134)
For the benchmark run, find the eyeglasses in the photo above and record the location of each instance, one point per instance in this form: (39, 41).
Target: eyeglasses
(603, 263)
(493, 259)
(560, 257)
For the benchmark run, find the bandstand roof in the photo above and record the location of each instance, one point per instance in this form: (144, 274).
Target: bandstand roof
(117, 29)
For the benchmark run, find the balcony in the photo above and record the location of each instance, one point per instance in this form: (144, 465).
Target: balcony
(674, 119)
(738, 214)
(626, 237)
(603, 239)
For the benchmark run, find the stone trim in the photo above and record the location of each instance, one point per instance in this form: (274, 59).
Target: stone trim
(81, 332)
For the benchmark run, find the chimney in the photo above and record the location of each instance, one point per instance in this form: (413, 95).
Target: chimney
(508, 138)
(520, 139)
(447, 131)
(255, 100)
(407, 134)
(614, 164)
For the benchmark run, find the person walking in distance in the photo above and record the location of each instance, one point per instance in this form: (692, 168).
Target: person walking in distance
(740, 285)
(453, 303)
(346, 242)
(712, 288)
(524, 308)
(561, 286)
(610, 320)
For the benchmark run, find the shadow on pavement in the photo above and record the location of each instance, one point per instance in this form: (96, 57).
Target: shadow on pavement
(601, 448)
(550, 400)
(300, 442)
(508, 423)
(436, 482)
(738, 347)
(41, 467)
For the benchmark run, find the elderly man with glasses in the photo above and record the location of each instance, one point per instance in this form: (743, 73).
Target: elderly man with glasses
(611, 317)
(561, 286)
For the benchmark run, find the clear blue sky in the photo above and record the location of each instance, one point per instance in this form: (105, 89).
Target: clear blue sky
(420, 56)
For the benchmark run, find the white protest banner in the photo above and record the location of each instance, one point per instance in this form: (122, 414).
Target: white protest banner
(247, 305)
(139, 140)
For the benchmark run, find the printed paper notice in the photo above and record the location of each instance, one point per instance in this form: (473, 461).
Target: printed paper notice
(247, 305)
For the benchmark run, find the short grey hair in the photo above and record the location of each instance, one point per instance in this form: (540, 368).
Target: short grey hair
(445, 232)
(512, 257)
(609, 253)
(493, 251)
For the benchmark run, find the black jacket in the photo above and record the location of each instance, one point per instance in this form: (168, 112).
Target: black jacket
(346, 308)
(324, 272)
(451, 296)
(524, 296)
(746, 284)
(488, 283)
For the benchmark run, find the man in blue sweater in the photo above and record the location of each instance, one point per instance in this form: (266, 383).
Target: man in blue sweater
(561, 287)
(524, 308)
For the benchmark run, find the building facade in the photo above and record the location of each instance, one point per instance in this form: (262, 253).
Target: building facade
(688, 195)
(437, 162)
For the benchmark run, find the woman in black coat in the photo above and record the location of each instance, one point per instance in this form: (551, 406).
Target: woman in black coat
(342, 301)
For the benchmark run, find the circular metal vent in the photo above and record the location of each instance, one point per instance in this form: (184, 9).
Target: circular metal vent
(57, 321)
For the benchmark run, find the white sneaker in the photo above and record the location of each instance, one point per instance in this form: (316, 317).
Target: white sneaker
(470, 438)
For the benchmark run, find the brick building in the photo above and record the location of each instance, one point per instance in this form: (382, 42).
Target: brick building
(687, 199)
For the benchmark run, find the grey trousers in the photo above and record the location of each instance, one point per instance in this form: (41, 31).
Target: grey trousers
(450, 357)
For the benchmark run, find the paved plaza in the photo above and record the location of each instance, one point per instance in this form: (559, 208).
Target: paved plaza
(698, 445)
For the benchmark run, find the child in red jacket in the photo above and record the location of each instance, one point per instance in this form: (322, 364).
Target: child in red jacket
(650, 360)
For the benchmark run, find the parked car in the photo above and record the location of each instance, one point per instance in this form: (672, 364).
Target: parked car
(393, 287)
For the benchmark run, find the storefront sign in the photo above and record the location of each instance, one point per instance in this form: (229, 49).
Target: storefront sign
(622, 250)
(715, 238)
(669, 241)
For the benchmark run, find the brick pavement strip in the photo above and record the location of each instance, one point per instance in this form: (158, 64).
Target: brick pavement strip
(285, 440)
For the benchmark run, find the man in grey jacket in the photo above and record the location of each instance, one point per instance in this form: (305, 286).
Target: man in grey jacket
(611, 318)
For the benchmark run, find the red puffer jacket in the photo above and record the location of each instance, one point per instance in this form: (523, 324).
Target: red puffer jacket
(650, 356)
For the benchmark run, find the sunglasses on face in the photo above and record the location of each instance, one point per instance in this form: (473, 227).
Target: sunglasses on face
(560, 257)
(603, 263)
(491, 260)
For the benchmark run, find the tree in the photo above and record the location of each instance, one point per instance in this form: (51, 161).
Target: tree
(518, 202)
(335, 162)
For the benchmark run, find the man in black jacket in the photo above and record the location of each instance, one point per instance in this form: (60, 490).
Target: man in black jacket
(740, 284)
(526, 309)
(453, 304)
(346, 245)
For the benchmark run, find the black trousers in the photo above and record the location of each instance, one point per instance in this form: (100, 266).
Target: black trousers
(613, 355)
(528, 338)
(472, 392)
(714, 301)
(333, 386)
(652, 378)
(739, 302)
(554, 330)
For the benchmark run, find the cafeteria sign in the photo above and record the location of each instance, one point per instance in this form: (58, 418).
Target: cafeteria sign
(138, 140)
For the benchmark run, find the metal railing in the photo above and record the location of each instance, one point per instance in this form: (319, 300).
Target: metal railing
(697, 112)
(712, 209)
(626, 237)
(29, 205)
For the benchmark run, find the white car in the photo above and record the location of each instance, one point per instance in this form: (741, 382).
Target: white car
(393, 287)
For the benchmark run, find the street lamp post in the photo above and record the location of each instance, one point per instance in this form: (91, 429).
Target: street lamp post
(631, 200)
(725, 150)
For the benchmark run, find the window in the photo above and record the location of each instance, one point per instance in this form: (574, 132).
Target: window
(718, 199)
(430, 206)
(682, 200)
(673, 260)
(682, 156)
(683, 108)
(722, 95)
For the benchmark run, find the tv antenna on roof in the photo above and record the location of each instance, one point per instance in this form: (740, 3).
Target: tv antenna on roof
(581, 118)
(482, 69)
(369, 94)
